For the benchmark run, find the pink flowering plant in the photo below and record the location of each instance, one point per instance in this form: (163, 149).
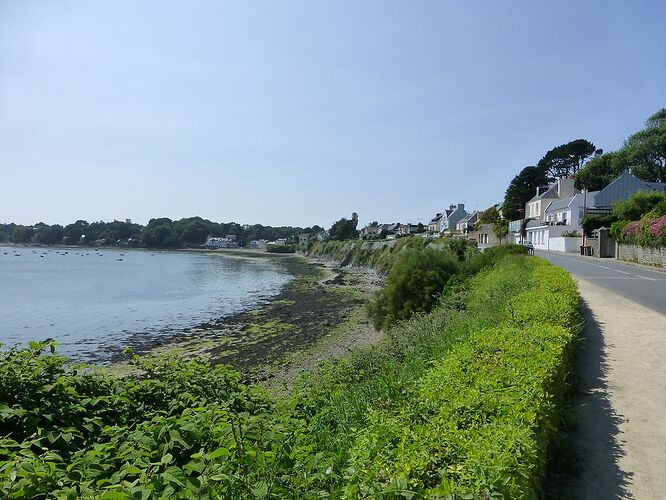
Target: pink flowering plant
(650, 231)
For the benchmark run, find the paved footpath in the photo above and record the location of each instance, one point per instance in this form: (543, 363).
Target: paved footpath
(621, 436)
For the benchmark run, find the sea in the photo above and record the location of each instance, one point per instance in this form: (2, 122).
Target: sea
(96, 302)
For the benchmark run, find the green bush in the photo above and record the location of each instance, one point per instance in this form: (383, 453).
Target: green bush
(639, 204)
(281, 248)
(414, 284)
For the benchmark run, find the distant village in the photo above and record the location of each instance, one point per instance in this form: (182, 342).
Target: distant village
(551, 220)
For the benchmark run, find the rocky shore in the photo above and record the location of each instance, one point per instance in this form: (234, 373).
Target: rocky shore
(318, 315)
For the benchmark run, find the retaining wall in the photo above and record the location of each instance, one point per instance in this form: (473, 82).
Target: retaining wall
(642, 255)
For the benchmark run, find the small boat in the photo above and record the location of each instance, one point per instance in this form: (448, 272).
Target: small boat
(119, 260)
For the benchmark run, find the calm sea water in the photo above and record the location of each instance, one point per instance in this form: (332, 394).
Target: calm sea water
(94, 304)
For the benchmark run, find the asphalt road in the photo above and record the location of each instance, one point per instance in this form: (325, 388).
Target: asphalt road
(638, 284)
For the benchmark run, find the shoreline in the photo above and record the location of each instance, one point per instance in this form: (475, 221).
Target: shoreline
(318, 315)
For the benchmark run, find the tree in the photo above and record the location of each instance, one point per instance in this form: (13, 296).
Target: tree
(501, 229)
(566, 159)
(194, 233)
(521, 189)
(646, 149)
(489, 216)
(344, 229)
(49, 235)
(22, 234)
(599, 172)
(73, 232)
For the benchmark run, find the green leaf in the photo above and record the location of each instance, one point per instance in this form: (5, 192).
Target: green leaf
(260, 490)
(220, 452)
(115, 495)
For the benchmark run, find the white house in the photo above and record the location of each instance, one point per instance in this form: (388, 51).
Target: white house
(466, 224)
(212, 242)
(258, 244)
(452, 216)
(564, 215)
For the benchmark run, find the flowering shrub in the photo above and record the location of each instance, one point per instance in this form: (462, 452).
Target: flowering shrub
(650, 231)
(658, 227)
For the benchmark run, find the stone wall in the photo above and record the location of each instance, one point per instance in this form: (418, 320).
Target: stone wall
(594, 243)
(642, 255)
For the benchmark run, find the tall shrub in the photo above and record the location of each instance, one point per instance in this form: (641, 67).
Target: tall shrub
(414, 284)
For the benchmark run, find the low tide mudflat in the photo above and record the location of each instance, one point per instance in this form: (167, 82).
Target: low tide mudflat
(318, 315)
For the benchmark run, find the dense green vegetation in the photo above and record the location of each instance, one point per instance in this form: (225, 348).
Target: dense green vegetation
(635, 220)
(380, 255)
(419, 274)
(344, 229)
(643, 152)
(641, 220)
(561, 161)
(158, 233)
(464, 400)
(281, 248)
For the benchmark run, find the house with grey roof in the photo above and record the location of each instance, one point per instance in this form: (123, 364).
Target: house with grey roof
(435, 224)
(564, 215)
(466, 224)
(535, 208)
(622, 188)
(451, 217)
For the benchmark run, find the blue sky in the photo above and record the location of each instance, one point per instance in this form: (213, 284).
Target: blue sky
(299, 113)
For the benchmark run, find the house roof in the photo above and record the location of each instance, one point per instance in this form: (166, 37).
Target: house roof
(449, 212)
(469, 217)
(566, 202)
(551, 192)
(436, 218)
(624, 186)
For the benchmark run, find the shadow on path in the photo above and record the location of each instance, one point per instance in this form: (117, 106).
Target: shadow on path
(595, 438)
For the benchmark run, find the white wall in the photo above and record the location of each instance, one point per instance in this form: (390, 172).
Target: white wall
(550, 238)
(565, 244)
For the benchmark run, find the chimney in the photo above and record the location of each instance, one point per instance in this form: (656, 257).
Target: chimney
(461, 206)
(451, 207)
(565, 187)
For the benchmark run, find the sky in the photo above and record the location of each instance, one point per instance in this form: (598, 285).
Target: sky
(300, 112)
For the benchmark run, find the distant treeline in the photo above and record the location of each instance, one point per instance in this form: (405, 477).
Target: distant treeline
(159, 233)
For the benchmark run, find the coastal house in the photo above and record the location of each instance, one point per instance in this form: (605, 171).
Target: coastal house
(451, 217)
(622, 188)
(304, 239)
(466, 224)
(536, 206)
(557, 212)
(371, 231)
(258, 244)
(407, 229)
(226, 242)
(435, 224)
(484, 235)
